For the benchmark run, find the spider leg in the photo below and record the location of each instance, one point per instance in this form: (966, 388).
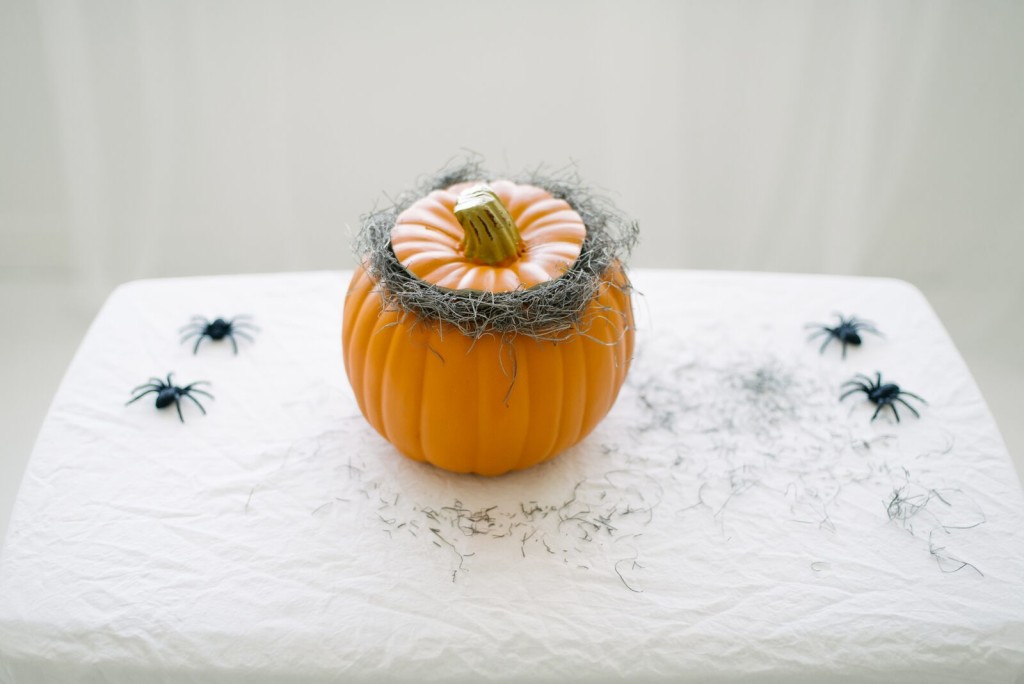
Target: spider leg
(822, 331)
(814, 325)
(193, 326)
(856, 383)
(844, 349)
(867, 380)
(894, 411)
(911, 394)
(912, 409)
(177, 405)
(191, 334)
(136, 389)
(878, 379)
(244, 335)
(243, 321)
(856, 388)
(875, 414)
(195, 349)
(169, 382)
(135, 399)
(234, 345)
(825, 343)
(199, 391)
(849, 392)
(196, 402)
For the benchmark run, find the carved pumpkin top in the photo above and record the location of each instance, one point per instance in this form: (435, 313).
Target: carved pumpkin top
(430, 242)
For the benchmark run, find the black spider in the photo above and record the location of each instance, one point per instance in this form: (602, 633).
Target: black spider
(846, 331)
(881, 395)
(166, 393)
(217, 330)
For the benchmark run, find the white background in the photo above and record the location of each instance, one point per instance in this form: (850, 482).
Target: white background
(179, 138)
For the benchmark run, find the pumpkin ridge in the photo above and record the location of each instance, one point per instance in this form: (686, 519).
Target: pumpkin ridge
(427, 262)
(469, 278)
(622, 304)
(574, 347)
(426, 436)
(446, 270)
(416, 229)
(557, 352)
(433, 217)
(540, 235)
(421, 435)
(354, 300)
(546, 208)
(383, 334)
(521, 376)
(487, 278)
(529, 273)
(420, 244)
(545, 396)
(481, 398)
(452, 278)
(437, 421)
(397, 355)
(600, 354)
(360, 341)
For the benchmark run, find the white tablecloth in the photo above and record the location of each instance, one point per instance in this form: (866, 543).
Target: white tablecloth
(729, 520)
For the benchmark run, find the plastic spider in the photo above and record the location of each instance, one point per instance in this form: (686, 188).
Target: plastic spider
(881, 394)
(217, 330)
(846, 331)
(168, 393)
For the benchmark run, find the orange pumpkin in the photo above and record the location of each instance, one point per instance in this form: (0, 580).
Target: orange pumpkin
(489, 402)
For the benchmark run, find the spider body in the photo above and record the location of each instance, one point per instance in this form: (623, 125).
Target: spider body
(166, 396)
(217, 330)
(168, 393)
(846, 331)
(881, 394)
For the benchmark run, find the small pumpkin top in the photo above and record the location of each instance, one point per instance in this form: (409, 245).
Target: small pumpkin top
(499, 237)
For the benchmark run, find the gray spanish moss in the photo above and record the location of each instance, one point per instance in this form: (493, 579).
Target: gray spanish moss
(550, 311)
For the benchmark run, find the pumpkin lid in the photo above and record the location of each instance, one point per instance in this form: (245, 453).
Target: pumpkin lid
(499, 237)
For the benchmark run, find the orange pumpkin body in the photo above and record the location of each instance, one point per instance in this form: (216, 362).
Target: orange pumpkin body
(495, 403)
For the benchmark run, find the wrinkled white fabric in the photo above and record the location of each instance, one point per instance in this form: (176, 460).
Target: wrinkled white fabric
(729, 520)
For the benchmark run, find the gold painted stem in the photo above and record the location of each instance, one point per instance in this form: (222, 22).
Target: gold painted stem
(491, 234)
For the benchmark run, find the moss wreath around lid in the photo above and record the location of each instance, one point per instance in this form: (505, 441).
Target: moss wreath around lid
(548, 311)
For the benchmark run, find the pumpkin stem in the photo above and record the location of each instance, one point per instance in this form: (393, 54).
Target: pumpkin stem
(491, 234)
